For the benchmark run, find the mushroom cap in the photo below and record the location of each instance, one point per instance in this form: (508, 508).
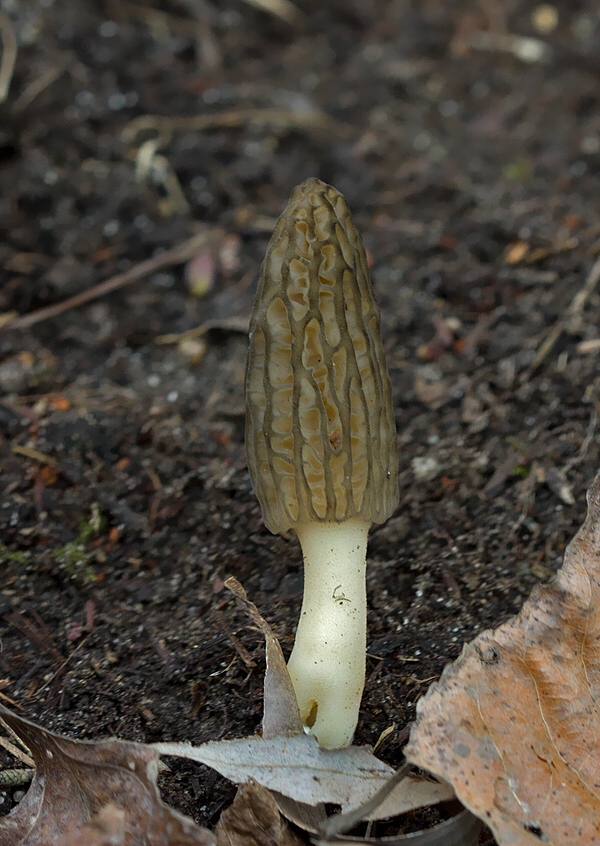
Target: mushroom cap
(320, 431)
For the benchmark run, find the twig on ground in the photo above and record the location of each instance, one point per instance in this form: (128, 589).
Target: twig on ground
(18, 753)
(17, 740)
(176, 255)
(481, 328)
(309, 119)
(150, 166)
(583, 449)
(37, 632)
(10, 701)
(208, 54)
(9, 55)
(160, 23)
(496, 14)
(239, 647)
(35, 88)
(571, 318)
(49, 681)
(586, 347)
(228, 324)
(524, 48)
(280, 8)
(34, 455)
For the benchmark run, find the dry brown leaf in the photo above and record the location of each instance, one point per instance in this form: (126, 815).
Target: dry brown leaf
(93, 794)
(254, 820)
(308, 817)
(106, 828)
(514, 723)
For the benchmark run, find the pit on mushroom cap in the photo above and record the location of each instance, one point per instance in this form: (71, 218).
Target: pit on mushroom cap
(321, 439)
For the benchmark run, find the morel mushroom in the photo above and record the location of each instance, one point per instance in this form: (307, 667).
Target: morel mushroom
(321, 439)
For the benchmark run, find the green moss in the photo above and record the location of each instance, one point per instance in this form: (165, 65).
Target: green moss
(74, 557)
(15, 557)
(520, 170)
(516, 443)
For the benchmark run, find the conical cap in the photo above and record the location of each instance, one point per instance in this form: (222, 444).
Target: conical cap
(320, 432)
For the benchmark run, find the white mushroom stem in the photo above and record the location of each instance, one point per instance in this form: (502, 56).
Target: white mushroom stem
(327, 664)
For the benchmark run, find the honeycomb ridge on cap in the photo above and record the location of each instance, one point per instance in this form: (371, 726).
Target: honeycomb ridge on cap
(320, 431)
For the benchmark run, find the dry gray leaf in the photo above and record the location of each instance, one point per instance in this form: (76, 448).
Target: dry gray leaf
(280, 715)
(83, 793)
(281, 718)
(461, 830)
(294, 766)
(411, 793)
(297, 768)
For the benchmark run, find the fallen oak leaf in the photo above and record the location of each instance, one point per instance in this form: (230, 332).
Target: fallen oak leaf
(514, 723)
(76, 781)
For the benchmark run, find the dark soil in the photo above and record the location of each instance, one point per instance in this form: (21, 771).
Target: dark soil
(125, 501)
